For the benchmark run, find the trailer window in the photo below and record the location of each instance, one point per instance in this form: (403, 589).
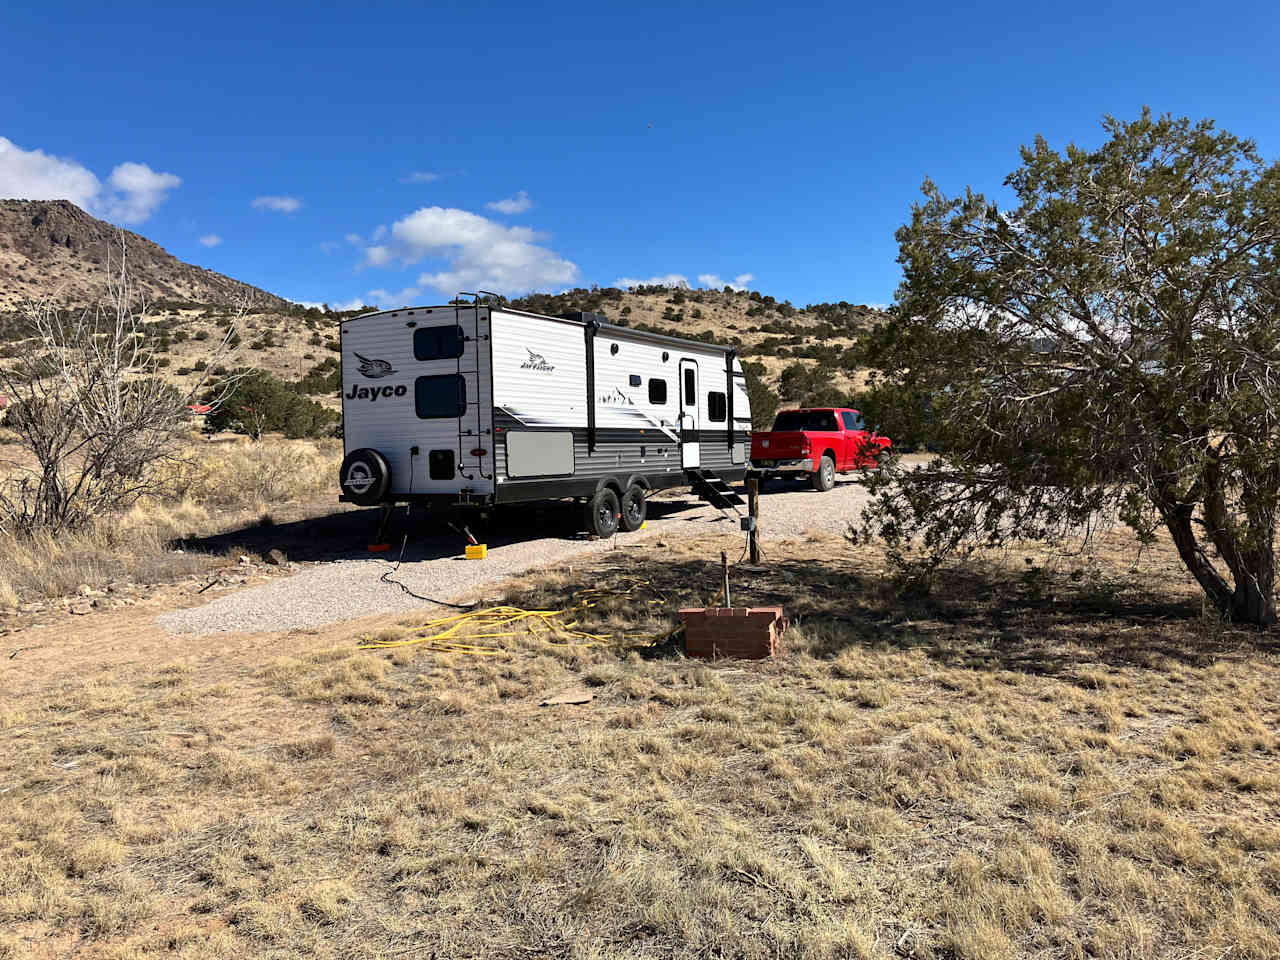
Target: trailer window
(438, 343)
(657, 391)
(689, 387)
(439, 397)
(717, 408)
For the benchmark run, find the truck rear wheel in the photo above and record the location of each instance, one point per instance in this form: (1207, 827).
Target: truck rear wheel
(824, 478)
(634, 508)
(602, 514)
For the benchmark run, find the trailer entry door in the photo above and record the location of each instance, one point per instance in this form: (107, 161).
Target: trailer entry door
(690, 422)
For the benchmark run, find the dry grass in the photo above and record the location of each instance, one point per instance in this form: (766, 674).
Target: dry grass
(983, 773)
(211, 488)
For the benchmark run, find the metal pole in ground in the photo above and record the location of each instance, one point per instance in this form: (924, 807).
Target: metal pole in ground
(753, 512)
(724, 571)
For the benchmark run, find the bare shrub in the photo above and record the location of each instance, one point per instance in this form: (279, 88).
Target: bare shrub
(86, 403)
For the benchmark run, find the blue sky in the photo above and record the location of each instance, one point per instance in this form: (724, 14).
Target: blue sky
(399, 152)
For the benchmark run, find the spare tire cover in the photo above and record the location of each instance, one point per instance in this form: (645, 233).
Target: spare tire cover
(365, 477)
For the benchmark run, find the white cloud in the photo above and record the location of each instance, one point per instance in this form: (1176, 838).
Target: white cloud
(354, 239)
(517, 204)
(477, 253)
(403, 298)
(309, 303)
(713, 281)
(377, 256)
(379, 232)
(131, 194)
(138, 190)
(421, 176)
(355, 304)
(211, 239)
(666, 280)
(36, 175)
(278, 204)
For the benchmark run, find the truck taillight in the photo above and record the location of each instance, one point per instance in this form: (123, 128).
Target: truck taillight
(804, 446)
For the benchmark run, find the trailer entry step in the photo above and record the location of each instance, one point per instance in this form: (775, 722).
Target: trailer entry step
(711, 487)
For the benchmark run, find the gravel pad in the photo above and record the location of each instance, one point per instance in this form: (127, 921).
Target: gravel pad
(347, 589)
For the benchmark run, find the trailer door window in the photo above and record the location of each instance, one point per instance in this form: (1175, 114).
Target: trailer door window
(438, 343)
(690, 388)
(440, 397)
(717, 408)
(657, 391)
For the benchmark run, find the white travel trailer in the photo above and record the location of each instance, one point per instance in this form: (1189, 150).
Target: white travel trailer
(479, 405)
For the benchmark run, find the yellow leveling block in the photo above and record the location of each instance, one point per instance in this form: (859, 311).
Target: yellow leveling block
(477, 551)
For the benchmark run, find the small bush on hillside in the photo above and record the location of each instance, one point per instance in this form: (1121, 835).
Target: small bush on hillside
(259, 403)
(324, 377)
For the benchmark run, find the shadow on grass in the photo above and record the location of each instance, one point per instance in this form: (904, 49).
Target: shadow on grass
(979, 616)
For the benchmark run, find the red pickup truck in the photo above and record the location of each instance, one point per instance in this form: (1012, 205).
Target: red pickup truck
(819, 442)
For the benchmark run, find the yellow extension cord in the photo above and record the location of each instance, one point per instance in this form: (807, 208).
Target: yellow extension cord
(557, 627)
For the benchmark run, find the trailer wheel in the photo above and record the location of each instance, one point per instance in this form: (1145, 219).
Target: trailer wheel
(602, 514)
(365, 477)
(634, 508)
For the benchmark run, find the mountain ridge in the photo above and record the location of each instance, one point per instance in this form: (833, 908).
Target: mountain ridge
(52, 249)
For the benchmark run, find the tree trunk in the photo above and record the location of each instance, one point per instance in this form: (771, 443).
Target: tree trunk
(1254, 599)
(1177, 518)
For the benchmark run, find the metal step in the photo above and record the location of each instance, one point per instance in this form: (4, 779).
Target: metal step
(712, 488)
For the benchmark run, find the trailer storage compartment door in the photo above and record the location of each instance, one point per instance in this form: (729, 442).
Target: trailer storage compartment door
(539, 453)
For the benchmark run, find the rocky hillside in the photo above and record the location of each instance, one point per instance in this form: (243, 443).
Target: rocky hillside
(47, 248)
(52, 248)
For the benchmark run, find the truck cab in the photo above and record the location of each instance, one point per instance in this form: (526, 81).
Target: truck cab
(817, 442)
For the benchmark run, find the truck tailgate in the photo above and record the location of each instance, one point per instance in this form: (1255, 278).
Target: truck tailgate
(785, 445)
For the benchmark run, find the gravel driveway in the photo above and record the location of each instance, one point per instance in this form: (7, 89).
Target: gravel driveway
(345, 589)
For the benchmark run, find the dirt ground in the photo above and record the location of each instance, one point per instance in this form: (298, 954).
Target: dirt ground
(1054, 758)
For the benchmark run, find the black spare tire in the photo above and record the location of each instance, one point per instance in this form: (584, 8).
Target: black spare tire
(365, 477)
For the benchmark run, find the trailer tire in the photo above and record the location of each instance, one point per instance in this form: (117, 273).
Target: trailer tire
(603, 513)
(824, 478)
(634, 508)
(365, 477)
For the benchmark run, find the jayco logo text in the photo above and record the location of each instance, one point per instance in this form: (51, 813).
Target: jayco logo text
(373, 393)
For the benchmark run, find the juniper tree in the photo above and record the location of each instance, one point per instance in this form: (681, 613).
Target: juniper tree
(1109, 343)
